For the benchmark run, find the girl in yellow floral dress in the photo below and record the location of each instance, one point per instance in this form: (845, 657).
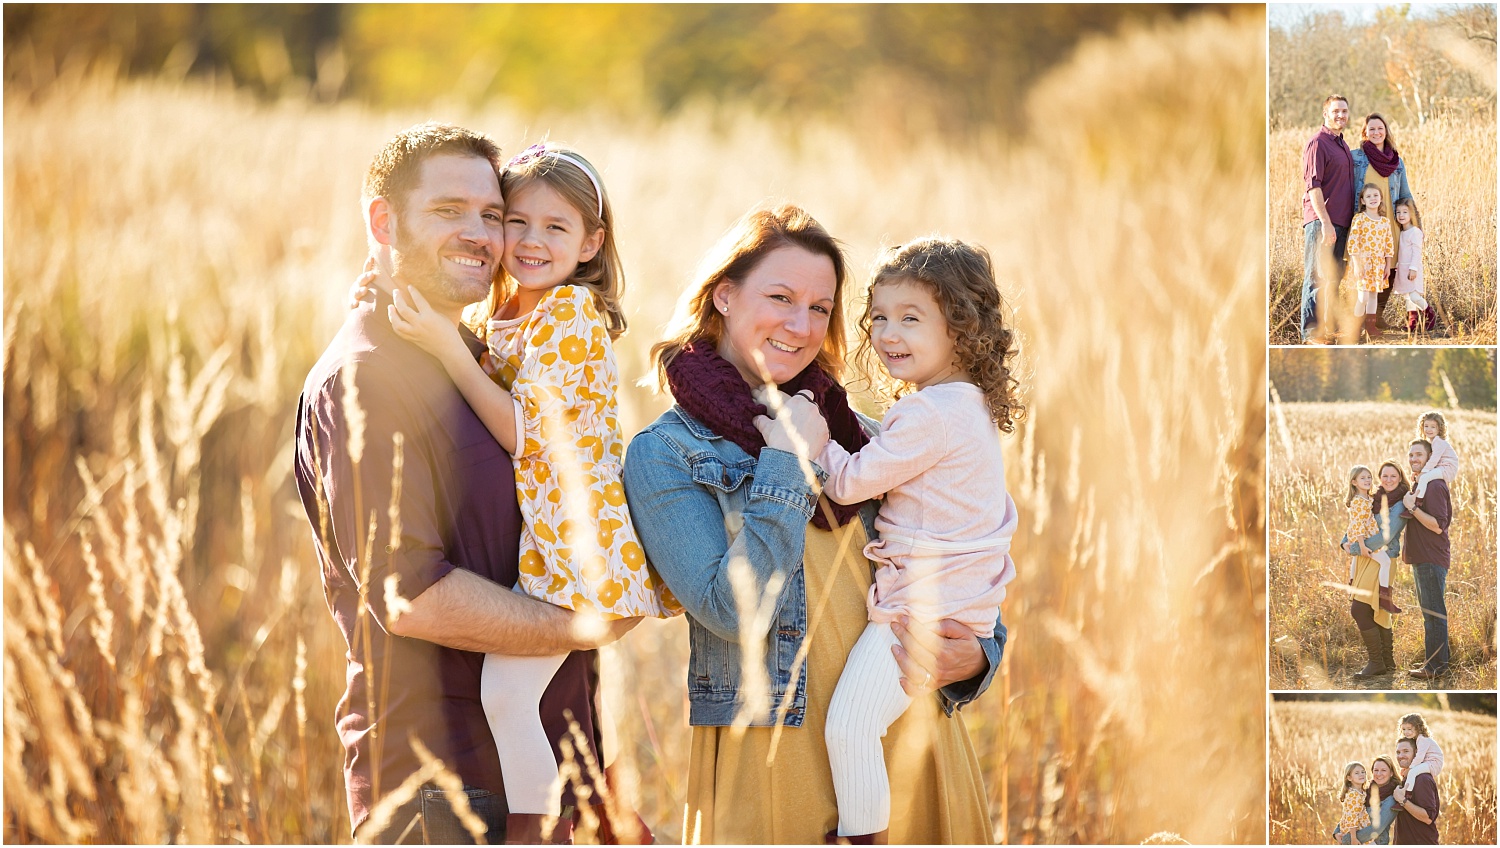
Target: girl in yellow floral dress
(1372, 246)
(1354, 807)
(546, 390)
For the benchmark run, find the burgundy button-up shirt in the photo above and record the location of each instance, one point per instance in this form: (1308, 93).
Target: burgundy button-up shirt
(457, 508)
(1422, 545)
(1328, 164)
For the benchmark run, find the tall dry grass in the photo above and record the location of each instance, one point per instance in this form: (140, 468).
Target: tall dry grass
(1310, 742)
(1314, 642)
(1451, 168)
(177, 256)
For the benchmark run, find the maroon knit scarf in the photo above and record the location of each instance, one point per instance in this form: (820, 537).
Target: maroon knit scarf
(712, 390)
(1381, 501)
(1384, 163)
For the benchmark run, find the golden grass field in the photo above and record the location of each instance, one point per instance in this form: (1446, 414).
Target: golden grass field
(1451, 168)
(178, 255)
(1314, 641)
(1312, 741)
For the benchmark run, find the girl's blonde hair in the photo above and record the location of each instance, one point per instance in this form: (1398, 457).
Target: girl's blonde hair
(1415, 720)
(603, 274)
(1348, 770)
(1432, 416)
(756, 235)
(961, 278)
(1411, 206)
(1384, 209)
(1354, 473)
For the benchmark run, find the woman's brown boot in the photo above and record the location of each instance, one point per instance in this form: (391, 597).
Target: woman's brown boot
(1388, 647)
(1376, 666)
(1388, 601)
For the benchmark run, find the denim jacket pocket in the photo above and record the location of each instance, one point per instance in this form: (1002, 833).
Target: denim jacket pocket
(709, 470)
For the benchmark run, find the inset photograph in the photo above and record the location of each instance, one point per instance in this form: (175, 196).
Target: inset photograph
(1381, 170)
(1381, 501)
(1387, 768)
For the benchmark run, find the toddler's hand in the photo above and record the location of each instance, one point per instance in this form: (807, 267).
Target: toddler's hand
(363, 290)
(417, 322)
(798, 426)
(1411, 274)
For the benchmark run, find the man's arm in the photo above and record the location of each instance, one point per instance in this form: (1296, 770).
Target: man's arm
(1425, 520)
(1421, 803)
(469, 613)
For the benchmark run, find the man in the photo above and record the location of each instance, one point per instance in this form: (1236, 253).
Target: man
(411, 498)
(1327, 211)
(1426, 549)
(1417, 810)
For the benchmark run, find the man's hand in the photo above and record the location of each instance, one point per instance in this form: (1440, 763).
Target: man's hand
(1410, 500)
(1400, 794)
(612, 632)
(932, 659)
(1327, 237)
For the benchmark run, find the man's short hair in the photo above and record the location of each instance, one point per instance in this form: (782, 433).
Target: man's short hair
(1332, 97)
(1411, 742)
(398, 166)
(1423, 442)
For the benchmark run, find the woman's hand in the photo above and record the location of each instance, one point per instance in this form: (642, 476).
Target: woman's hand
(933, 658)
(420, 324)
(363, 290)
(798, 426)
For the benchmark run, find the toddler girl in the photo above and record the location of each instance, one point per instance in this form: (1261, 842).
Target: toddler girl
(933, 319)
(1373, 247)
(1360, 505)
(545, 389)
(1443, 463)
(1409, 280)
(1429, 757)
(1354, 806)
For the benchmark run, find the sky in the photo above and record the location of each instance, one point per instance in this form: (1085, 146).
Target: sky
(1284, 14)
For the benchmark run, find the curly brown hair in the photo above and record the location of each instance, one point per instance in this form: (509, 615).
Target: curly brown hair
(1435, 417)
(961, 278)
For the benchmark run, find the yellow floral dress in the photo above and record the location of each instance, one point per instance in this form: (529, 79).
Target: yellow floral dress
(1355, 813)
(1371, 242)
(1362, 518)
(579, 549)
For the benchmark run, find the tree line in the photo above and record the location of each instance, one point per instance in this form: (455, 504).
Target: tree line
(1421, 375)
(957, 66)
(1409, 67)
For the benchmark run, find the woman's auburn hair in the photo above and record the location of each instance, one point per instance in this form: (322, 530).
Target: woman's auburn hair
(1364, 130)
(961, 278)
(756, 235)
(604, 274)
(1389, 463)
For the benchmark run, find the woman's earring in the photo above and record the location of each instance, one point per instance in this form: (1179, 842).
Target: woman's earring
(724, 309)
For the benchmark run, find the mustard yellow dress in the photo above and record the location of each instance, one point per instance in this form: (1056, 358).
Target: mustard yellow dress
(579, 549)
(738, 793)
(1371, 241)
(1367, 588)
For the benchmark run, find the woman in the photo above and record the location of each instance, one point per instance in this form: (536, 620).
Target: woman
(1375, 623)
(771, 575)
(1377, 149)
(1383, 807)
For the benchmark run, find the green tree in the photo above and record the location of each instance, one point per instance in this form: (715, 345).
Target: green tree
(1470, 373)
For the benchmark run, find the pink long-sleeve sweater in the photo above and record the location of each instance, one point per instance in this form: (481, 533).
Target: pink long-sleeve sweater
(947, 521)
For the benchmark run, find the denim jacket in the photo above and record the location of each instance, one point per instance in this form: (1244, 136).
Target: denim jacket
(1398, 189)
(1388, 536)
(702, 506)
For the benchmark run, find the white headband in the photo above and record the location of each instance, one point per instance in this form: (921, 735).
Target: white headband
(536, 150)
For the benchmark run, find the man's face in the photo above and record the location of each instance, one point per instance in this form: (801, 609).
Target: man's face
(1336, 115)
(449, 234)
(1404, 752)
(1417, 458)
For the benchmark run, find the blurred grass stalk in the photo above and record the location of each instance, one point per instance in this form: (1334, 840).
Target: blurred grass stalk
(178, 254)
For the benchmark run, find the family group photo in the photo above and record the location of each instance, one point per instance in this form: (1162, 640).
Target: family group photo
(1382, 500)
(575, 424)
(1382, 769)
(1381, 171)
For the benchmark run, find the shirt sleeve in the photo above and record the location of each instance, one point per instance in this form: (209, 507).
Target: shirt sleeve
(1439, 505)
(347, 466)
(911, 440)
(1424, 794)
(563, 387)
(1312, 165)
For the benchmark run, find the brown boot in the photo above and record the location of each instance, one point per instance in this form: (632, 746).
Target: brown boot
(527, 829)
(1388, 601)
(1388, 647)
(882, 838)
(1371, 328)
(1373, 649)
